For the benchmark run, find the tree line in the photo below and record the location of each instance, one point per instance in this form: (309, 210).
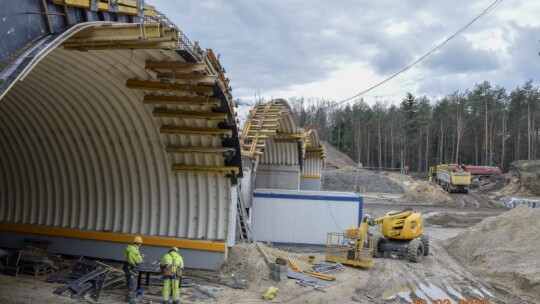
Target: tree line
(485, 125)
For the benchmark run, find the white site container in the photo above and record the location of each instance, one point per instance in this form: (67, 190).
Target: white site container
(302, 217)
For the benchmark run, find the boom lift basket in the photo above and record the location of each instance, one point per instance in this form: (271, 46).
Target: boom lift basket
(349, 250)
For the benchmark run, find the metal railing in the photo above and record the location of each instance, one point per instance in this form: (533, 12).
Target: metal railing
(183, 41)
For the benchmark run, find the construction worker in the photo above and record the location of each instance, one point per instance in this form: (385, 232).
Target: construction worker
(133, 258)
(172, 265)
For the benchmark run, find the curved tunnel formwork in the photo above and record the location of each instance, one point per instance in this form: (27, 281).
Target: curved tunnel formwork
(277, 153)
(114, 129)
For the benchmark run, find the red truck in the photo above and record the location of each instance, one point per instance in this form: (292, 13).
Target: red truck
(480, 172)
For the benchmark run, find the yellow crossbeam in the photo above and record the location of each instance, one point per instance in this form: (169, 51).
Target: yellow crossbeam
(195, 131)
(187, 77)
(163, 112)
(212, 169)
(174, 99)
(125, 6)
(168, 87)
(119, 32)
(266, 132)
(291, 135)
(175, 65)
(196, 149)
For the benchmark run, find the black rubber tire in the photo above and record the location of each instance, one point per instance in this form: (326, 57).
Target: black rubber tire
(465, 191)
(425, 243)
(415, 251)
(376, 252)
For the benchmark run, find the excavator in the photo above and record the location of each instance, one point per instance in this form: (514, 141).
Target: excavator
(402, 234)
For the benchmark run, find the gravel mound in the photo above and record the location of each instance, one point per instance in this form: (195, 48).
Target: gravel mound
(419, 191)
(503, 250)
(347, 180)
(336, 159)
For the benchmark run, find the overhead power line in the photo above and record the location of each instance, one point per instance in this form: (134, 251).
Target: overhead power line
(438, 47)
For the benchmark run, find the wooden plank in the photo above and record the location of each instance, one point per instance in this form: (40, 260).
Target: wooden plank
(320, 275)
(125, 7)
(119, 32)
(197, 149)
(175, 99)
(180, 77)
(262, 131)
(75, 3)
(163, 112)
(265, 256)
(207, 169)
(293, 264)
(174, 65)
(194, 131)
(168, 87)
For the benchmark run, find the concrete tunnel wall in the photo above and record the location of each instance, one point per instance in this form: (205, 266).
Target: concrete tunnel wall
(81, 151)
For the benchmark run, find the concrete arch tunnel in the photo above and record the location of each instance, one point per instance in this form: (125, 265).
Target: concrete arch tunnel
(277, 153)
(115, 129)
(113, 124)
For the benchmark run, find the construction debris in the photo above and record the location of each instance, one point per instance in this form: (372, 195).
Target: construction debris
(233, 283)
(326, 267)
(314, 274)
(320, 275)
(87, 275)
(315, 286)
(512, 202)
(211, 293)
(35, 261)
(305, 278)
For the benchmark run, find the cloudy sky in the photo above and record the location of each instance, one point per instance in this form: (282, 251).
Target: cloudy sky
(337, 49)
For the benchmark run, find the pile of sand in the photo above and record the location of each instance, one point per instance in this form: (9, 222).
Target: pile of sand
(523, 180)
(527, 173)
(503, 250)
(246, 263)
(421, 192)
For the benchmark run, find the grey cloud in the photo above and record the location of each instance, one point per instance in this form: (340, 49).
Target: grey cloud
(272, 45)
(459, 56)
(524, 49)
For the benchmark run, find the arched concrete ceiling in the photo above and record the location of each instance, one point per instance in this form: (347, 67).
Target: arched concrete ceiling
(271, 135)
(97, 136)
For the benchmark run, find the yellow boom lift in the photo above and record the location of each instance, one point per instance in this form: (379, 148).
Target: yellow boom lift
(402, 235)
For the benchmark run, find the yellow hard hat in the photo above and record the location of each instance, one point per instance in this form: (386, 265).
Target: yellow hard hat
(137, 239)
(174, 249)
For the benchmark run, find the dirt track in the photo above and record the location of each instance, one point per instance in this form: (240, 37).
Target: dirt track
(390, 280)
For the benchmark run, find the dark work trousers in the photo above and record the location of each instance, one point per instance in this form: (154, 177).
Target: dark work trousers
(131, 285)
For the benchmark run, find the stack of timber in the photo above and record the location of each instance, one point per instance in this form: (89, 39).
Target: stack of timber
(37, 261)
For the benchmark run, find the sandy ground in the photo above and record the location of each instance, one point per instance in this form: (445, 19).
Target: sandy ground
(390, 280)
(450, 272)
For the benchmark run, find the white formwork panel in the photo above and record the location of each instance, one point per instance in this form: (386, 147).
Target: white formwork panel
(303, 217)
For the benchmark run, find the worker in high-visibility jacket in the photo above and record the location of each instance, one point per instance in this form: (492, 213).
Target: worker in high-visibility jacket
(133, 258)
(172, 265)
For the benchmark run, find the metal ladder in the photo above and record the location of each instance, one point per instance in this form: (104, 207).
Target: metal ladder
(242, 225)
